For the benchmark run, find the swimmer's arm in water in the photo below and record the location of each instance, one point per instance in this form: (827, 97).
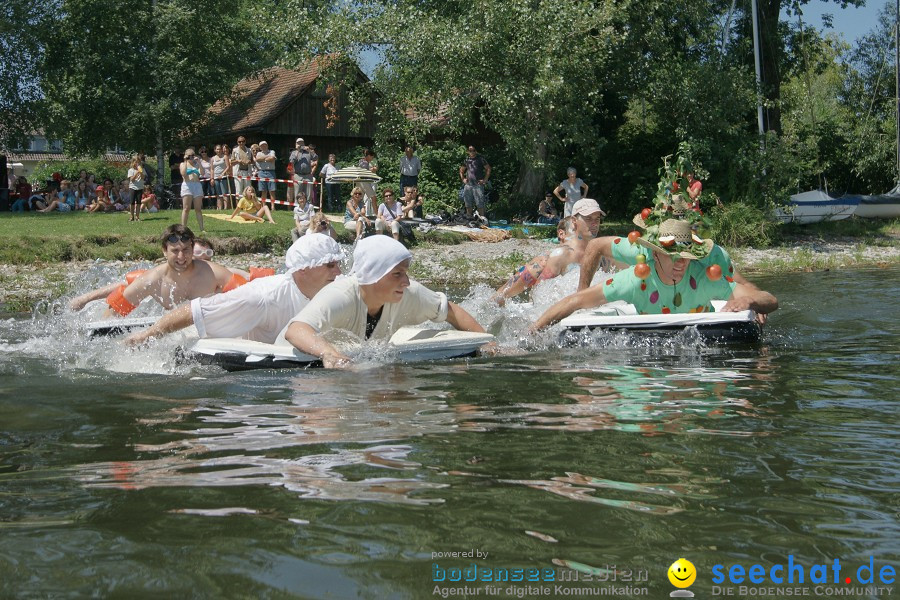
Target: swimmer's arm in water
(523, 278)
(589, 298)
(172, 321)
(79, 302)
(462, 320)
(134, 294)
(598, 249)
(750, 297)
(305, 339)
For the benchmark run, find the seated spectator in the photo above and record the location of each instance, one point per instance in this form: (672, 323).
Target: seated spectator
(251, 208)
(303, 212)
(547, 214)
(412, 203)
(354, 216)
(319, 223)
(149, 203)
(64, 200)
(389, 214)
(23, 192)
(101, 203)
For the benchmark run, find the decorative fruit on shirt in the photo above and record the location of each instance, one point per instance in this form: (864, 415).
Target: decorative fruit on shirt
(714, 272)
(633, 237)
(642, 269)
(645, 214)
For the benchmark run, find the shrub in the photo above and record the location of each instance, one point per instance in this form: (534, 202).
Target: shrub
(740, 224)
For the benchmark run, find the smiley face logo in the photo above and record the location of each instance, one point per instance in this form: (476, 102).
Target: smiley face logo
(682, 573)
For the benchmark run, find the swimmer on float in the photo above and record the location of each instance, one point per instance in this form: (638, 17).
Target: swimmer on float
(373, 302)
(260, 310)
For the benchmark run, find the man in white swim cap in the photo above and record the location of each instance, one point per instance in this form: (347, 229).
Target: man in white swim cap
(376, 300)
(261, 309)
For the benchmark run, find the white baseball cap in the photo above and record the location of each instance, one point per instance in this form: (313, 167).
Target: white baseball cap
(300, 140)
(587, 206)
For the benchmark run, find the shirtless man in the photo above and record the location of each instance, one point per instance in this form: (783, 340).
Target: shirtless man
(202, 251)
(260, 310)
(179, 279)
(546, 266)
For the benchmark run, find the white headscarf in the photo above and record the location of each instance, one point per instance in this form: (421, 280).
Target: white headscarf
(313, 250)
(376, 256)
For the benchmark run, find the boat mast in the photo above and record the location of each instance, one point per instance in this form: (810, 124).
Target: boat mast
(756, 60)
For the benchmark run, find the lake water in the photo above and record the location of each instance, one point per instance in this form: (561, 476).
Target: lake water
(125, 474)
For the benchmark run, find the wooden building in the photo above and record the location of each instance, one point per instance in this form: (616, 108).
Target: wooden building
(279, 105)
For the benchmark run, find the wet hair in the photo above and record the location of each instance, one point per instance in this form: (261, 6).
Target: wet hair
(203, 242)
(176, 229)
(566, 226)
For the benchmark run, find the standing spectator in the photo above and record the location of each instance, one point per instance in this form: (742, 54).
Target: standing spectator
(474, 173)
(148, 173)
(695, 188)
(312, 194)
(240, 165)
(175, 160)
(191, 188)
(209, 184)
(230, 196)
(575, 190)
(265, 158)
(220, 164)
(547, 214)
(301, 163)
(136, 186)
(410, 167)
(367, 162)
(332, 190)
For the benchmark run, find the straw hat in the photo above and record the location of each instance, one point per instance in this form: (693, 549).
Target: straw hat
(674, 237)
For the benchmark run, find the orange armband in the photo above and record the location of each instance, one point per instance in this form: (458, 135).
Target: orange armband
(131, 276)
(119, 303)
(236, 281)
(257, 272)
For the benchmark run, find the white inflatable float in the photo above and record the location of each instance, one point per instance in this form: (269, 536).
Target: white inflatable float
(408, 344)
(739, 327)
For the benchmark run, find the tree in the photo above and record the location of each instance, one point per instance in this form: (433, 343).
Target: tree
(140, 74)
(22, 26)
(533, 72)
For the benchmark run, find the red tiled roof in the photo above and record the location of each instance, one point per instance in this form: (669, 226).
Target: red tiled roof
(59, 156)
(262, 97)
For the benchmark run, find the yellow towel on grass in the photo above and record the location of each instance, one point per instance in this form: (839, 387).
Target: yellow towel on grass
(238, 220)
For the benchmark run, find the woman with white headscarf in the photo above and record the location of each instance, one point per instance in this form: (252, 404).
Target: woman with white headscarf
(375, 301)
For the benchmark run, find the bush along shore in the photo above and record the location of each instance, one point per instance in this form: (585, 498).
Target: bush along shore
(44, 258)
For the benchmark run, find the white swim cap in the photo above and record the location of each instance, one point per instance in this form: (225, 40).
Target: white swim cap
(313, 250)
(376, 256)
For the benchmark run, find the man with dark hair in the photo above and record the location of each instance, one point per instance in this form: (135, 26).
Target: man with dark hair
(179, 279)
(410, 167)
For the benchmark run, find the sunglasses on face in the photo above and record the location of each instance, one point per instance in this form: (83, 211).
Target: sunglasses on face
(174, 238)
(200, 252)
(388, 195)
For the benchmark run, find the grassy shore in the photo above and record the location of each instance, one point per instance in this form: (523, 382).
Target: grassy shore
(41, 256)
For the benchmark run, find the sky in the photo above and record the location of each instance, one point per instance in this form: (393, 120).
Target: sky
(850, 22)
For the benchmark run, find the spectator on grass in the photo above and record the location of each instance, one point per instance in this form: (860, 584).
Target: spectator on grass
(265, 158)
(149, 203)
(410, 167)
(251, 208)
(240, 165)
(474, 173)
(64, 200)
(547, 214)
(101, 202)
(23, 191)
(332, 190)
(303, 213)
(574, 188)
(136, 177)
(191, 189)
(221, 166)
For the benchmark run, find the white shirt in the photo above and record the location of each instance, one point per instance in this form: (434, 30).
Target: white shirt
(305, 213)
(266, 160)
(410, 166)
(339, 305)
(328, 169)
(256, 311)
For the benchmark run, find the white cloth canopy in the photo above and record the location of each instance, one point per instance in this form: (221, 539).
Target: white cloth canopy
(352, 175)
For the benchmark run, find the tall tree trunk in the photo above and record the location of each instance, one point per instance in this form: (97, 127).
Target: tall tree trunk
(530, 183)
(771, 45)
